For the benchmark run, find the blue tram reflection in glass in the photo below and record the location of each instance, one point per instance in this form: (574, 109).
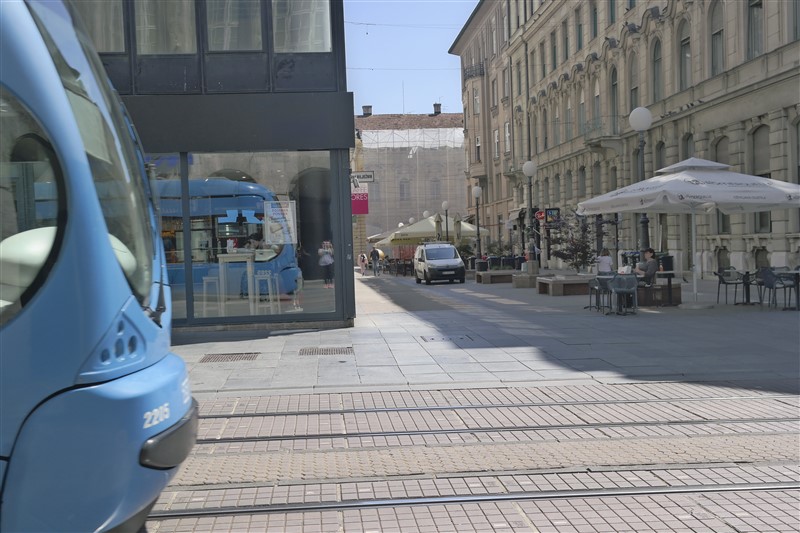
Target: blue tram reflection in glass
(227, 220)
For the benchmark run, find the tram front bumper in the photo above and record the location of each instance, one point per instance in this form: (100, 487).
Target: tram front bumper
(169, 448)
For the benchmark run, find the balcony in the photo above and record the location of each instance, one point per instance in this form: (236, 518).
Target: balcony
(473, 71)
(604, 134)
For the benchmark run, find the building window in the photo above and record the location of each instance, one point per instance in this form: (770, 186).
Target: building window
(755, 28)
(796, 20)
(301, 27)
(568, 185)
(612, 11)
(542, 62)
(436, 188)
(688, 146)
(684, 57)
(593, 18)
(233, 25)
(612, 178)
(496, 135)
(568, 119)
(494, 37)
(661, 155)
(631, 4)
(596, 107)
(507, 136)
(717, 40)
(581, 113)
(553, 51)
(105, 23)
(476, 101)
(506, 90)
(557, 127)
(557, 188)
(478, 149)
(404, 190)
(494, 93)
(633, 82)
(581, 182)
(578, 29)
(614, 102)
(165, 27)
(564, 41)
(658, 83)
(596, 180)
(519, 78)
(544, 129)
(761, 167)
(505, 27)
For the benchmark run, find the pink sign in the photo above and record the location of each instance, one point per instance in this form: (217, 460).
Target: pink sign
(359, 201)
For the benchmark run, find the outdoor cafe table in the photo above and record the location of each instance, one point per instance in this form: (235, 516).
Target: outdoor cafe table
(745, 288)
(224, 260)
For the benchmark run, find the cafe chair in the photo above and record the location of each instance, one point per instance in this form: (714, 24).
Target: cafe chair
(623, 288)
(727, 277)
(772, 283)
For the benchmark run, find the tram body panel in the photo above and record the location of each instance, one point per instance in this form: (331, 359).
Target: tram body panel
(101, 449)
(95, 411)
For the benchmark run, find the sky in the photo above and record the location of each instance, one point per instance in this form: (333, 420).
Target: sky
(397, 58)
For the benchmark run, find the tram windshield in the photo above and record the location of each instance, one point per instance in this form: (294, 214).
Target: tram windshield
(114, 164)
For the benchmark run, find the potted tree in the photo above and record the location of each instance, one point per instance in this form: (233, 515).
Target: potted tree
(571, 241)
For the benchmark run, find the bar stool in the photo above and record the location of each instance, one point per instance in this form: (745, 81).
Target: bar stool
(208, 282)
(272, 296)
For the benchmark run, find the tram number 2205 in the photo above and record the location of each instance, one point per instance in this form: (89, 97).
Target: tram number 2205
(156, 416)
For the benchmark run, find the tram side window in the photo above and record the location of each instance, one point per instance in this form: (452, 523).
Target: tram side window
(29, 205)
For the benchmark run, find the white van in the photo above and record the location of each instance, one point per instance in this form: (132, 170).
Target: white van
(435, 261)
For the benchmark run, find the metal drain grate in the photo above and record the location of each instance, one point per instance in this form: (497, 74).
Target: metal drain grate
(330, 350)
(228, 357)
(448, 338)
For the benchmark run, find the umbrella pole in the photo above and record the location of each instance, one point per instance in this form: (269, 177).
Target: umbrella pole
(694, 253)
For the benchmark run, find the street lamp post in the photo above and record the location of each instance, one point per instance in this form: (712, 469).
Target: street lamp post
(480, 264)
(445, 207)
(529, 169)
(640, 120)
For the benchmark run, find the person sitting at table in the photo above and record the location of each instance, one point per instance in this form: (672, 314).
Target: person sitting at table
(603, 261)
(649, 268)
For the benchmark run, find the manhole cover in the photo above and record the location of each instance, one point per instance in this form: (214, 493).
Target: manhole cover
(447, 338)
(329, 350)
(228, 357)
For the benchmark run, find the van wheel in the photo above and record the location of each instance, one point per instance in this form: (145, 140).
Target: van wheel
(427, 280)
(416, 278)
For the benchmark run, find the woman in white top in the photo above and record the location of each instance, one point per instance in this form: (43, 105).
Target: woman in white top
(604, 263)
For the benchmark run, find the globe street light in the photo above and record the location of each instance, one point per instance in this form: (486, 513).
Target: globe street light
(426, 214)
(640, 120)
(411, 220)
(529, 169)
(476, 193)
(445, 206)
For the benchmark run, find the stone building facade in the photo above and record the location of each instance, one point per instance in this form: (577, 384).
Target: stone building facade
(554, 82)
(418, 161)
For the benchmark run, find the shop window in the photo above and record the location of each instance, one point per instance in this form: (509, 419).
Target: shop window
(301, 27)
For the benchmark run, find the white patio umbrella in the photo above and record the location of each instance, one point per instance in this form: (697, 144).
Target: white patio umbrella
(697, 185)
(424, 230)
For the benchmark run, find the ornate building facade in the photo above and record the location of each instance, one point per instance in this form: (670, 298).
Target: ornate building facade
(554, 82)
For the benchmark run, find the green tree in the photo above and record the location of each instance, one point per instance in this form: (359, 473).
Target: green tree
(571, 241)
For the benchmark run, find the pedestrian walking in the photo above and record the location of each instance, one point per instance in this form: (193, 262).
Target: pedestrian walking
(375, 256)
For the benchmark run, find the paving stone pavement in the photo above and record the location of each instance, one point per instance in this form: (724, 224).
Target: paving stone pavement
(417, 347)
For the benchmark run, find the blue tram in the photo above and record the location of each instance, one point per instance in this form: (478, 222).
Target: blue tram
(96, 413)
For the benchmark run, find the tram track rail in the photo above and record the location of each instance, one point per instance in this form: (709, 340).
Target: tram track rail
(473, 498)
(459, 407)
(491, 429)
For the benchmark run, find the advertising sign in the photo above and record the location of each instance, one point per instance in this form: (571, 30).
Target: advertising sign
(364, 176)
(552, 214)
(280, 226)
(359, 200)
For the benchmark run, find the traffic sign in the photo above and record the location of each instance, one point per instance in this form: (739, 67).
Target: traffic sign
(364, 176)
(539, 215)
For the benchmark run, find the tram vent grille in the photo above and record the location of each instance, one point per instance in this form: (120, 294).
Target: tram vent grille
(228, 357)
(326, 350)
